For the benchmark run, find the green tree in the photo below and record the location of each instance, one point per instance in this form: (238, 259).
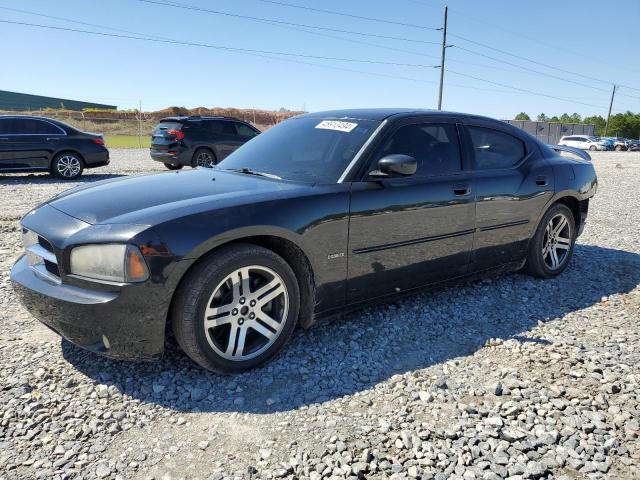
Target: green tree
(554, 119)
(522, 116)
(542, 118)
(625, 125)
(596, 120)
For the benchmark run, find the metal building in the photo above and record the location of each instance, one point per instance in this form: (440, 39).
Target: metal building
(19, 102)
(551, 132)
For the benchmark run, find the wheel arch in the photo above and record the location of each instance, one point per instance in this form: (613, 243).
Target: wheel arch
(291, 252)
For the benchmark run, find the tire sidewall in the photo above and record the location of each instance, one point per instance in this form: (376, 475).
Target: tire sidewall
(212, 278)
(56, 159)
(539, 239)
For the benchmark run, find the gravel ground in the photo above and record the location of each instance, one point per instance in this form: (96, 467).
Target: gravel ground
(509, 377)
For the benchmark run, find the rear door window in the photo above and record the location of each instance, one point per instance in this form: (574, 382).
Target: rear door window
(245, 131)
(7, 126)
(495, 149)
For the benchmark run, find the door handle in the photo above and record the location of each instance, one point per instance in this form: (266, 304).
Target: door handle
(461, 189)
(52, 138)
(541, 181)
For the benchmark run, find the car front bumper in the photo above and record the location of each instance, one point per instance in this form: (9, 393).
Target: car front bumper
(118, 324)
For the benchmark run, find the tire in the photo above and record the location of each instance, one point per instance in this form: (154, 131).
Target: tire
(203, 157)
(67, 165)
(234, 316)
(171, 166)
(618, 148)
(540, 260)
(593, 148)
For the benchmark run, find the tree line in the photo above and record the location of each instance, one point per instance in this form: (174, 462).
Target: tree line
(625, 124)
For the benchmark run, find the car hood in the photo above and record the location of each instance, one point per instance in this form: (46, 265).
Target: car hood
(149, 199)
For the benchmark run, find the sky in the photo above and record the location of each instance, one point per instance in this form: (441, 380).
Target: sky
(595, 39)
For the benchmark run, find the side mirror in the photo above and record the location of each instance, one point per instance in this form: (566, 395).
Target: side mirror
(395, 166)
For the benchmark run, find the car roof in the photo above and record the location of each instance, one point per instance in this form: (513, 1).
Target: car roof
(186, 118)
(380, 114)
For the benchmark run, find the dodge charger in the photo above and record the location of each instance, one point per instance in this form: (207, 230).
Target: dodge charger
(323, 212)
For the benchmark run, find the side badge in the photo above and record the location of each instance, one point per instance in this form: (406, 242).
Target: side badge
(333, 256)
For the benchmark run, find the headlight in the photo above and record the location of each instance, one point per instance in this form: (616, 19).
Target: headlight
(109, 262)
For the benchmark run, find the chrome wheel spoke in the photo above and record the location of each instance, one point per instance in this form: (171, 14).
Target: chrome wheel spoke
(266, 319)
(233, 336)
(241, 341)
(553, 254)
(262, 330)
(278, 290)
(562, 222)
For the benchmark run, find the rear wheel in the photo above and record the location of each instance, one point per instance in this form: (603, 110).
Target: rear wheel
(553, 243)
(236, 309)
(67, 165)
(171, 166)
(592, 148)
(203, 157)
(618, 148)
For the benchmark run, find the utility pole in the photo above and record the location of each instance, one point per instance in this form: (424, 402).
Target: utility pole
(444, 49)
(140, 123)
(606, 126)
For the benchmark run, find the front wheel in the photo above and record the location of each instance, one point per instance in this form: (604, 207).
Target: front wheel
(236, 308)
(618, 148)
(552, 245)
(592, 148)
(171, 166)
(67, 165)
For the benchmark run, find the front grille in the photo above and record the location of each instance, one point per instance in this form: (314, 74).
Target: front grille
(41, 255)
(44, 243)
(52, 268)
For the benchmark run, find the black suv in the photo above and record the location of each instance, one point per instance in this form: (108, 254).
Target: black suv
(33, 144)
(198, 141)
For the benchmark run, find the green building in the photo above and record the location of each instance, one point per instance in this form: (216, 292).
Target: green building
(14, 101)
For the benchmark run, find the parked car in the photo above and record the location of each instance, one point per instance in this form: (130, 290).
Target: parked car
(198, 141)
(619, 144)
(321, 213)
(634, 145)
(37, 144)
(584, 142)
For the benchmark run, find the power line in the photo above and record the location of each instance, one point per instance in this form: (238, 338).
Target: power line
(536, 62)
(563, 49)
(523, 89)
(269, 54)
(343, 14)
(219, 47)
(529, 69)
(281, 22)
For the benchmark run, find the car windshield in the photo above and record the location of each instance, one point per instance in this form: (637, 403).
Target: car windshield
(311, 150)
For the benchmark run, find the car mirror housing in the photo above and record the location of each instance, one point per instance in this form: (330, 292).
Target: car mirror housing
(396, 165)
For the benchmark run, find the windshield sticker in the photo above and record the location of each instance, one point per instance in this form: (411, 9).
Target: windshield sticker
(336, 125)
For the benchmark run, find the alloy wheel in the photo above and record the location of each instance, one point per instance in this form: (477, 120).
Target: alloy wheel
(205, 159)
(557, 242)
(246, 313)
(68, 166)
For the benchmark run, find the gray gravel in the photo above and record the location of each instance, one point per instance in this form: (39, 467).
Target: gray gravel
(508, 377)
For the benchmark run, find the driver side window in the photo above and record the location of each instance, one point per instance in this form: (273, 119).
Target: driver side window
(435, 147)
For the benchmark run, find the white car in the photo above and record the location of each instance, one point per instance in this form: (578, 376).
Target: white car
(585, 142)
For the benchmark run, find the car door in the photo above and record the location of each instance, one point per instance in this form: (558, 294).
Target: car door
(245, 133)
(25, 146)
(513, 183)
(222, 136)
(411, 231)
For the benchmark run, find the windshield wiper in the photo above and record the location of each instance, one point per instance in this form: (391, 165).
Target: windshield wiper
(248, 171)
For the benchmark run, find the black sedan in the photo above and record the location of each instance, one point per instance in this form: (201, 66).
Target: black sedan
(36, 144)
(323, 212)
